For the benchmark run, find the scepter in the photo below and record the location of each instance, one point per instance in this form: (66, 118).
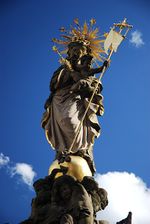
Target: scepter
(112, 42)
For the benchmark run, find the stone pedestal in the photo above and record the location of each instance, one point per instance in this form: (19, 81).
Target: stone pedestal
(65, 200)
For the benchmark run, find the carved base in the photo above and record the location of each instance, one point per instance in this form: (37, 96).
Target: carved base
(65, 200)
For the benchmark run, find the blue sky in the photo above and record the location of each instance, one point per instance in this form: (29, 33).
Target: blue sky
(26, 66)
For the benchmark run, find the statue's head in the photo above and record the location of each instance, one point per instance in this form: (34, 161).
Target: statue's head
(90, 184)
(65, 191)
(76, 50)
(98, 195)
(41, 185)
(62, 188)
(38, 185)
(86, 60)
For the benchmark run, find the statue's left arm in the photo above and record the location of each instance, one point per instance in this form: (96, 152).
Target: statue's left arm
(99, 69)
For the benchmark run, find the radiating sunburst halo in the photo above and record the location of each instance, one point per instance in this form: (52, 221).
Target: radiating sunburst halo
(87, 34)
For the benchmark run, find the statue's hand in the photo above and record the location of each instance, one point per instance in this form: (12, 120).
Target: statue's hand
(106, 63)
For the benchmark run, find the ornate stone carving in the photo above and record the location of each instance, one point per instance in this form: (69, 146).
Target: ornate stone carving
(66, 200)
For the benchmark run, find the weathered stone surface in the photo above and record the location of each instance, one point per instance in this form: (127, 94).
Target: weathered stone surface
(66, 200)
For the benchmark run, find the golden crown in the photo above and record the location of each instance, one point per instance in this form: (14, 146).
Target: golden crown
(86, 34)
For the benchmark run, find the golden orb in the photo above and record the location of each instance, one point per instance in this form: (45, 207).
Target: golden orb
(77, 167)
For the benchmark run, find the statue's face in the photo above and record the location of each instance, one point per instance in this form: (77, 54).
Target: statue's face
(76, 52)
(88, 62)
(65, 192)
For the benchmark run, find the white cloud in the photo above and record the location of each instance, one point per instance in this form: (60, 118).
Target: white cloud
(4, 160)
(25, 171)
(126, 192)
(136, 38)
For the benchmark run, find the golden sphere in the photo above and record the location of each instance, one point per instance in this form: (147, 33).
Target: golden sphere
(77, 167)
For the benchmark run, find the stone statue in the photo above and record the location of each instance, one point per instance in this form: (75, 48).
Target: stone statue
(98, 195)
(42, 202)
(70, 195)
(71, 87)
(70, 202)
(60, 201)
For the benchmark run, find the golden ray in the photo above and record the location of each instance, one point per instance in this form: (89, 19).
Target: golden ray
(85, 28)
(76, 21)
(59, 41)
(76, 32)
(62, 29)
(66, 37)
(97, 41)
(92, 22)
(93, 33)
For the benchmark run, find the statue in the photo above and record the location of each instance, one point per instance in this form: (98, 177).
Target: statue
(60, 201)
(98, 195)
(41, 204)
(65, 200)
(70, 195)
(75, 102)
(70, 199)
(71, 88)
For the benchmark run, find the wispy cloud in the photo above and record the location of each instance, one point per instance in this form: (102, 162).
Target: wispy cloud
(23, 171)
(136, 39)
(126, 192)
(4, 160)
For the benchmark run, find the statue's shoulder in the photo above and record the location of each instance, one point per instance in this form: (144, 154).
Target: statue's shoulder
(58, 70)
(54, 78)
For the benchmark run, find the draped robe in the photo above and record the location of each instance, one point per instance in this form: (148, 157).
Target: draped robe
(64, 111)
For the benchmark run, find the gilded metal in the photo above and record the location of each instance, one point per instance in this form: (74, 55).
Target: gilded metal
(78, 167)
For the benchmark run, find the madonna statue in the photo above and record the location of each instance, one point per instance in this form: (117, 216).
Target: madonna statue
(71, 87)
